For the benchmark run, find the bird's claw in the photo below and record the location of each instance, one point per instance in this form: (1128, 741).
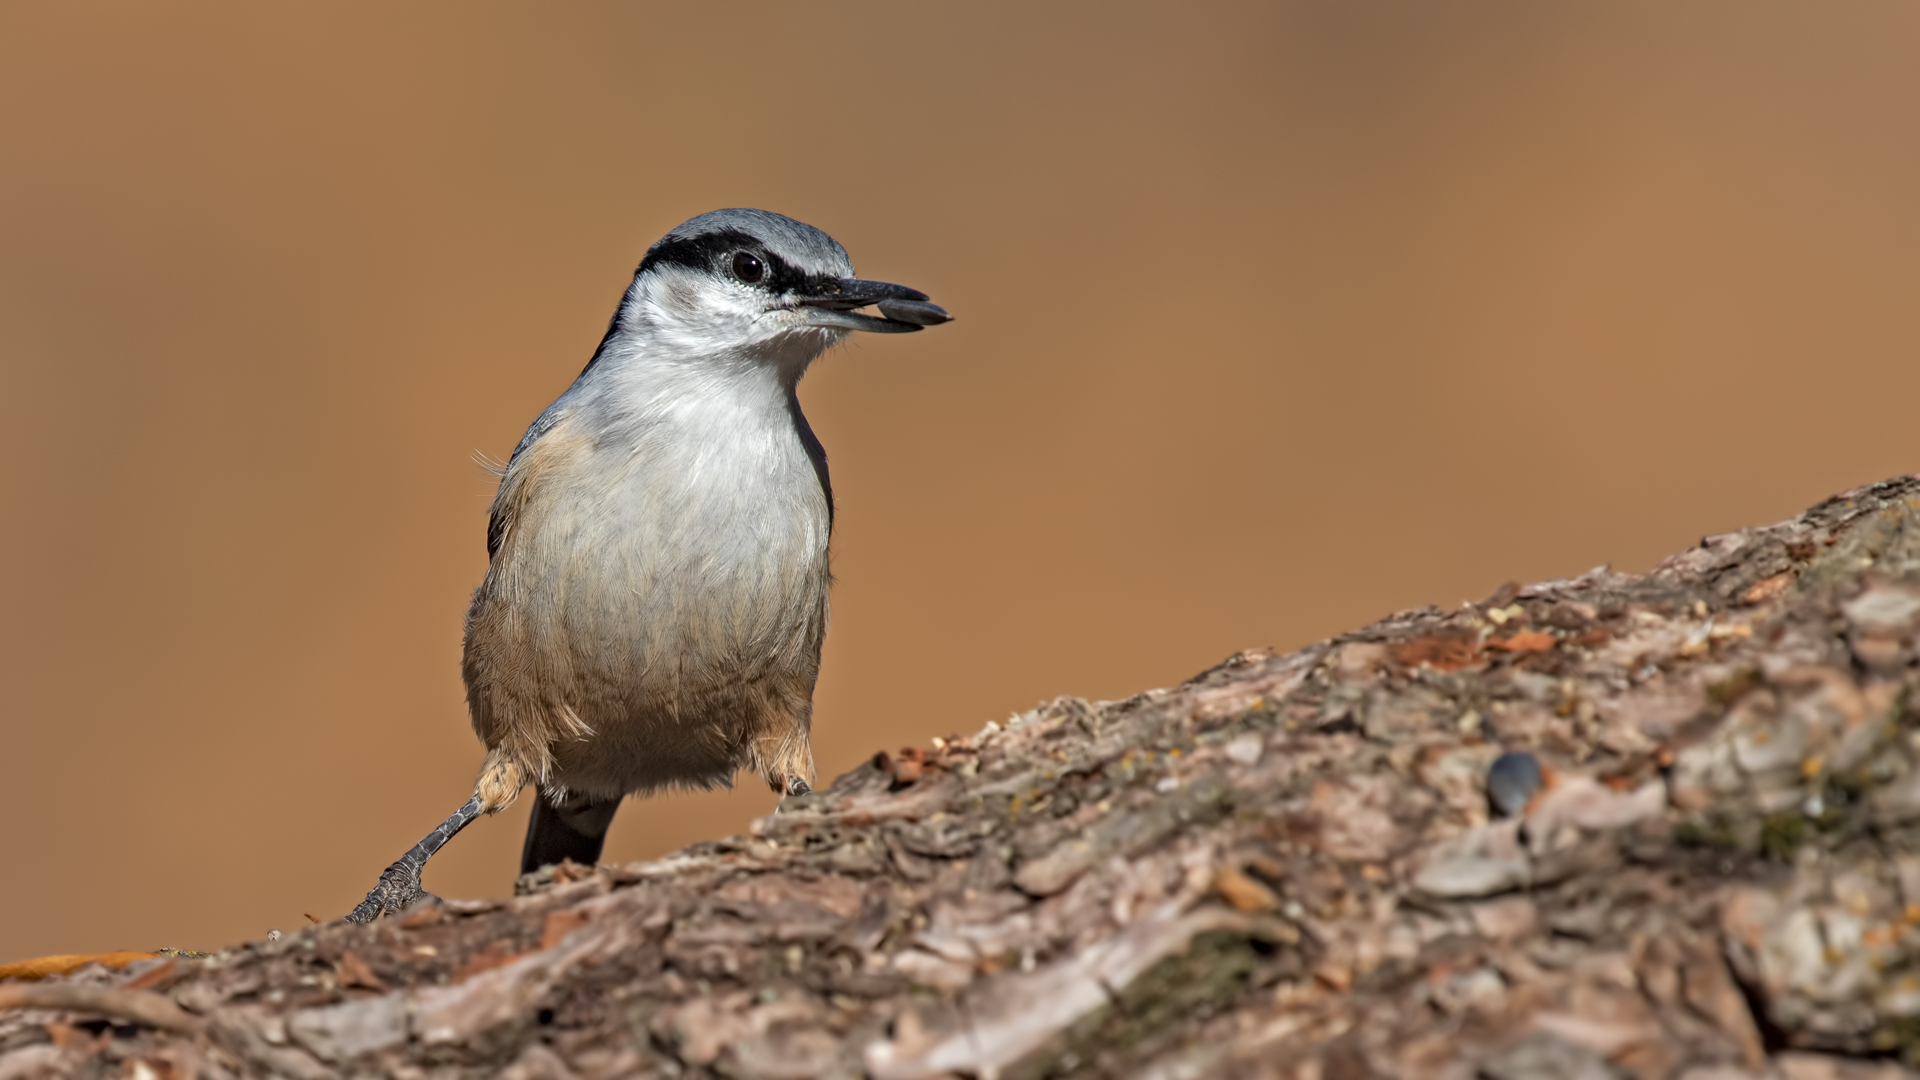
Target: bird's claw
(398, 889)
(797, 787)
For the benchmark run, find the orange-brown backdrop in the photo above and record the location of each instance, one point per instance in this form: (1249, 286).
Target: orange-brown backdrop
(1273, 318)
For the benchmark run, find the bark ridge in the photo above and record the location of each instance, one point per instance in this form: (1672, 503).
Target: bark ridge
(1658, 826)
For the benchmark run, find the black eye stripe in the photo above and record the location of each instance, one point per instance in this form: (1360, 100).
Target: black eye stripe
(713, 252)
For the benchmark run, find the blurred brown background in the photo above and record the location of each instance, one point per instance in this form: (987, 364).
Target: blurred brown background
(1272, 319)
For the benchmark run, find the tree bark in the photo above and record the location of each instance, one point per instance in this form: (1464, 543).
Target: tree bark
(1697, 857)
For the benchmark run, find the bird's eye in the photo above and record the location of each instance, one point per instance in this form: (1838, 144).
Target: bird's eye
(748, 268)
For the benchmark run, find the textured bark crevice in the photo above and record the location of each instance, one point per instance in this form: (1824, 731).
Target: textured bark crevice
(1697, 857)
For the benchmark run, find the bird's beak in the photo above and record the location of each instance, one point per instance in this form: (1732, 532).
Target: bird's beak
(905, 310)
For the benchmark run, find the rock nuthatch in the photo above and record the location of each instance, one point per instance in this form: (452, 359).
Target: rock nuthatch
(656, 594)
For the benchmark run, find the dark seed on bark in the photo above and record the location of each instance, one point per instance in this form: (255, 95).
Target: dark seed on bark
(1511, 780)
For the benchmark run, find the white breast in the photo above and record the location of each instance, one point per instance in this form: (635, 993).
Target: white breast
(688, 530)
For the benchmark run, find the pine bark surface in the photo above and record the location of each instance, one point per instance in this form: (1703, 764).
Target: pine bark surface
(1291, 866)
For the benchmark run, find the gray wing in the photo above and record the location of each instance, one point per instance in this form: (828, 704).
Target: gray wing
(496, 521)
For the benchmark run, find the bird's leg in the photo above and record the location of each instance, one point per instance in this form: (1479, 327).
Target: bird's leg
(400, 883)
(781, 754)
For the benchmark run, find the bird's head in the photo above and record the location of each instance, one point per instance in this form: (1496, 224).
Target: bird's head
(749, 283)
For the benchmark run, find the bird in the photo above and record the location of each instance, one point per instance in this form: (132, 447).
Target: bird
(655, 598)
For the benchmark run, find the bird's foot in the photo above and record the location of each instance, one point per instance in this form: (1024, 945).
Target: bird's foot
(398, 889)
(797, 787)
(399, 886)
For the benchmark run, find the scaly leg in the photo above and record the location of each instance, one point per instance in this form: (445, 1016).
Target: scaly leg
(400, 883)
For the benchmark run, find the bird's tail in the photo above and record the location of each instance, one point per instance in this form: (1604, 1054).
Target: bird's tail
(566, 826)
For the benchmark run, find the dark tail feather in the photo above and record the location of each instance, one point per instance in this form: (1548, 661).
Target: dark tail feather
(573, 829)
